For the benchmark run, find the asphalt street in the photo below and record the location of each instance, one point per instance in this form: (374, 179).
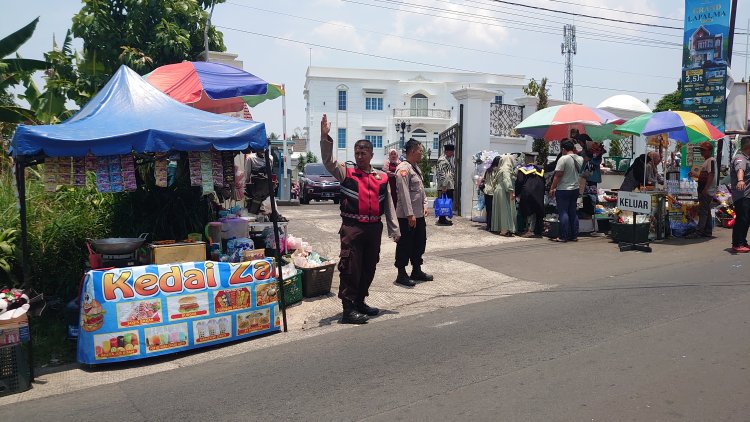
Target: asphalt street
(620, 337)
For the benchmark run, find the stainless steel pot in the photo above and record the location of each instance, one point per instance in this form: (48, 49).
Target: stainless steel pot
(118, 245)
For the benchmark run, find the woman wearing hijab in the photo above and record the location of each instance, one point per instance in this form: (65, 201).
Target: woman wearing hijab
(490, 182)
(504, 198)
(389, 168)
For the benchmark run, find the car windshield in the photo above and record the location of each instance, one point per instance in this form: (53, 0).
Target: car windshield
(316, 170)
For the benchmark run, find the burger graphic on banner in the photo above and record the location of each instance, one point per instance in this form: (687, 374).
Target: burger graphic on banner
(93, 315)
(188, 304)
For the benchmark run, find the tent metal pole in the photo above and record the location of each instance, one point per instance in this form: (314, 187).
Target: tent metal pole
(275, 221)
(21, 187)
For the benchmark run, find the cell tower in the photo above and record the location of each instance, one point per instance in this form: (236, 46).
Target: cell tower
(568, 49)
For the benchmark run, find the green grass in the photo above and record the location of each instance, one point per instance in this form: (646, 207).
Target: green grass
(49, 344)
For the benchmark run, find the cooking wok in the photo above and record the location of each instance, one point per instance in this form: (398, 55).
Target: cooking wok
(118, 245)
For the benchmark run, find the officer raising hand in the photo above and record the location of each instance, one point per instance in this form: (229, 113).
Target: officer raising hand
(365, 197)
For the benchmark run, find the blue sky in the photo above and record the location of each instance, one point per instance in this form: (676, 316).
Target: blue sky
(473, 35)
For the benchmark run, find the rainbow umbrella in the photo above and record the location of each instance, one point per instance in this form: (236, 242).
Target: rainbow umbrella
(682, 126)
(554, 123)
(208, 86)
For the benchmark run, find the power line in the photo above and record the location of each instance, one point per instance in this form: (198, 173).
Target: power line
(504, 11)
(586, 16)
(307, 43)
(615, 10)
(610, 39)
(342, 25)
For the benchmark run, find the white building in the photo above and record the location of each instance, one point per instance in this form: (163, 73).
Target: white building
(368, 103)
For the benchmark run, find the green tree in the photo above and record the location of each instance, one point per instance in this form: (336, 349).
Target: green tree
(532, 89)
(143, 34)
(311, 158)
(13, 70)
(671, 101)
(425, 167)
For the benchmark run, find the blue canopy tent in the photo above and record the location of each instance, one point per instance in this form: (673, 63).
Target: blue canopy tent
(130, 115)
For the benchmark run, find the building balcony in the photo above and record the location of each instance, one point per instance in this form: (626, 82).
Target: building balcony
(504, 118)
(426, 113)
(427, 145)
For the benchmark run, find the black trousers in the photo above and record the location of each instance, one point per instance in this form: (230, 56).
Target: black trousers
(741, 222)
(412, 244)
(488, 207)
(538, 213)
(360, 254)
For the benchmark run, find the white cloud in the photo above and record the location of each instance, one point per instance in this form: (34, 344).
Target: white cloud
(336, 32)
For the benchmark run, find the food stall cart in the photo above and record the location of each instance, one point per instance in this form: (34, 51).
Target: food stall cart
(129, 115)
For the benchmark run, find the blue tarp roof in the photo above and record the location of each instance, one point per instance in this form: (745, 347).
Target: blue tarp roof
(129, 114)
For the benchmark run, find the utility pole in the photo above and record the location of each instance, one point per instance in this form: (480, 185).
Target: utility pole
(568, 49)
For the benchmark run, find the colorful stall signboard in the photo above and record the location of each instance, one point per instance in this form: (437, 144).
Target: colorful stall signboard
(705, 59)
(138, 312)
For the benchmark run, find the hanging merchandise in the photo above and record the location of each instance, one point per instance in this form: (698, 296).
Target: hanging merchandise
(207, 178)
(79, 171)
(64, 171)
(160, 171)
(128, 172)
(227, 165)
(217, 169)
(194, 164)
(50, 174)
(102, 175)
(115, 173)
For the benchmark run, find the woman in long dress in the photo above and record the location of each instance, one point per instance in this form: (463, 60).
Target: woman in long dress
(490, 182)
(504, 198)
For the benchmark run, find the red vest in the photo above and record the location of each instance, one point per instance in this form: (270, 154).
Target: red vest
(363, 195)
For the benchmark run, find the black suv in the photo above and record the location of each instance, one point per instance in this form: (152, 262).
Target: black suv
(318, 184)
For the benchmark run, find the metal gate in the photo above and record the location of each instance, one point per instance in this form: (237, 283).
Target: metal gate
(452, 136)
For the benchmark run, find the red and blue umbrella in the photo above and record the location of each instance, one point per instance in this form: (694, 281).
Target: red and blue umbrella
(554, 123)
(208, 86)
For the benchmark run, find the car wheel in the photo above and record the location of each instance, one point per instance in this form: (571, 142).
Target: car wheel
(302, 198)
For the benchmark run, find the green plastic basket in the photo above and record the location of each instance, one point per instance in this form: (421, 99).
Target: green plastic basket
(293, 289)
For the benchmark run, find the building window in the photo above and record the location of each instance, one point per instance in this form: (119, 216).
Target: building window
(376, 140)
(374, 103)
(342, 99)
(435, 141)
(342, 138)
(418, 106)
(498, 99)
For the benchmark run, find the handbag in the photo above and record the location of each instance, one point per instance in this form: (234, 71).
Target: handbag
(443, 206)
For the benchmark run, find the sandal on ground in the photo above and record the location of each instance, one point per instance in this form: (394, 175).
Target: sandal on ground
(558, 240)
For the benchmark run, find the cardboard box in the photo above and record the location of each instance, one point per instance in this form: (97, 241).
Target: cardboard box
(178, 252)
(14, 330)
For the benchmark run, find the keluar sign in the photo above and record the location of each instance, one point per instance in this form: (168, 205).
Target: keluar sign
(634, 201)
(138, 312)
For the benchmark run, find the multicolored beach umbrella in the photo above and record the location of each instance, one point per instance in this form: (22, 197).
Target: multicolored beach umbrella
(214, 87)
(554, 123)
(681, 126)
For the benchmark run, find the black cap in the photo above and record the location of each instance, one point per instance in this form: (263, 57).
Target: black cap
(450, 147)
(531, 154)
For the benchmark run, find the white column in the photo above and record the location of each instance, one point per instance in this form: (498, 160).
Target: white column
(475, 137)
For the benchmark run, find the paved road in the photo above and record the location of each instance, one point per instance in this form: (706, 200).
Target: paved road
(631, 336)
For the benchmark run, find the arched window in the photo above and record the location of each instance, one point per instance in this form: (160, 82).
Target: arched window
(418, 105)
(342, 97)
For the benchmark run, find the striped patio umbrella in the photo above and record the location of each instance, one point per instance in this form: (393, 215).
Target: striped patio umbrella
(681, 126)
(554, 123)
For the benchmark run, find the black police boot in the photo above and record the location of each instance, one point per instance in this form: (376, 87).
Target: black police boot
(350, 314)
(418, 275)
(403, 278)
(363, 308)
